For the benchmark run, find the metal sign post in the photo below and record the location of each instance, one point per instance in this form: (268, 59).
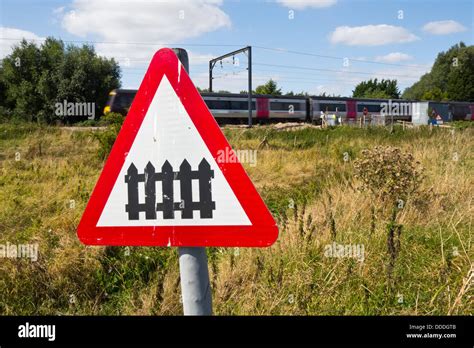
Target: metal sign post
(193, 268)
(195, 285)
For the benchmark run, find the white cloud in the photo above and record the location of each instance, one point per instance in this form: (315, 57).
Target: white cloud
(393, 57)
(444, 27)
(117, 24)
(371, 35)
(10, 37)
(302, 4)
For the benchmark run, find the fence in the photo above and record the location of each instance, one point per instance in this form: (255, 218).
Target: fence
(167, 176)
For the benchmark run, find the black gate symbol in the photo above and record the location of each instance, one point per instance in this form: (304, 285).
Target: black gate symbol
(168, 206)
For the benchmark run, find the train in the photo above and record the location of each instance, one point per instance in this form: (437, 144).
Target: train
(228, 107)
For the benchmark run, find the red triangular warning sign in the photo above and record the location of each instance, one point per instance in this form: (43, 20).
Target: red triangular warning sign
(172, 178)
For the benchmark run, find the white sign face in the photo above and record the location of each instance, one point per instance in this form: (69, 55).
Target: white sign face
(168, 137)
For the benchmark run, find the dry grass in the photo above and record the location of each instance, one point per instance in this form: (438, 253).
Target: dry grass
(433, 271)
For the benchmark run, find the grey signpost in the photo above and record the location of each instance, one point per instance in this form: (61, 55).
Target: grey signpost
(193, 268)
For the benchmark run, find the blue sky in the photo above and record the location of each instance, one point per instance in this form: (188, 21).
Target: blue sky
(390, 39)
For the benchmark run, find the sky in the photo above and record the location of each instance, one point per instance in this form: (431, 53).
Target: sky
(314, 46)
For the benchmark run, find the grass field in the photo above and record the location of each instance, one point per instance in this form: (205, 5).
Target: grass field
(306, 177)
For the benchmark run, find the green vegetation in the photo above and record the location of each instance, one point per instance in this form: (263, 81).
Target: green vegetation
(384, 89)
(112, 123)
(33, 79)
(391, 177)
(270, 87)
(388, 174)
(307, 178)
(450, 78)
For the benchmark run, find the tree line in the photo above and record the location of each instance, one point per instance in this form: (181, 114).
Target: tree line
(450, 78)
(35, 79)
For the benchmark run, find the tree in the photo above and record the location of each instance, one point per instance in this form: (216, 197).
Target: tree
(206, 90)
(460, 84)
(2, 88)
(36, 78)
(300, 94)
(384, 89)
(435, 94)
(85, 77)
(450, 78)
(324, 94)
(270, 87)
(3, 110)
(21, 72)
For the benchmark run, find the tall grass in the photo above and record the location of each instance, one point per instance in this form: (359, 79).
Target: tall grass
(306, 178)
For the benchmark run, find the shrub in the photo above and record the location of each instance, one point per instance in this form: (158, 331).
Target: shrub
(388, 173)
(390, 176)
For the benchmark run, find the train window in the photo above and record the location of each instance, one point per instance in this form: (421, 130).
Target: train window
(374, 108)
(461, 110)
(285, 106)
(241, 105)
(124, 100)
(277, 106)
(332, 107)
(370, 107)
(218, 104)
(237, 105)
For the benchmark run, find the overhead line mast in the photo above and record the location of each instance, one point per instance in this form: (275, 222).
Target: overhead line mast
(213, 62)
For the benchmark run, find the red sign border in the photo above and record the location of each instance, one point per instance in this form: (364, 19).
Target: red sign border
(263, 230)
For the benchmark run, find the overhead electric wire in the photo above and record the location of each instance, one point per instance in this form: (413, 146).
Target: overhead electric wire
(307, 74)
(282, 50)
(277, 77)
(128, 69)
(229, 74)
(263, 78)
(321, 69)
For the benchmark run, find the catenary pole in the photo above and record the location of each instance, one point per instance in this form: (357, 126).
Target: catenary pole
(250, 85)
(212, 64)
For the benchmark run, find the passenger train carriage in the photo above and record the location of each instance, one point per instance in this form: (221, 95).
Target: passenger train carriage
(235, 106)
(267, 108)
